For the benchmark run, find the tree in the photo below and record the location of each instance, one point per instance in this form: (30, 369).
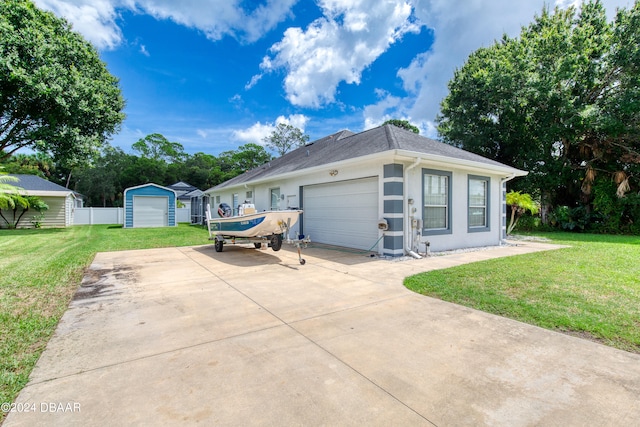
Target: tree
(157, 147)
(19, 205)
(519, 204)
(56, 95)
(404, 124)
(98, 182)
(6, 188)
(561, 101)
(30, 164)
(285, 138)
(247, 157)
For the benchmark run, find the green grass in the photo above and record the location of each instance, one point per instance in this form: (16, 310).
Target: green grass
(591, 289)
(40, 271)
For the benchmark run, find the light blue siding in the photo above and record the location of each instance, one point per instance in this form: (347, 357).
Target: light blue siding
(149, 190)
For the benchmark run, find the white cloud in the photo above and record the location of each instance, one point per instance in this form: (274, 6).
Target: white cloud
(458, 32)
(97, 19)
(217, 18)
(258, 131)
(94, 19)
(144, 51)
(337, 47)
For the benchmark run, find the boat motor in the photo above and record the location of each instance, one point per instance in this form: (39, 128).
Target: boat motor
(224, 210)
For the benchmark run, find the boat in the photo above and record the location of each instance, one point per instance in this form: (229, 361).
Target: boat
(260, 228)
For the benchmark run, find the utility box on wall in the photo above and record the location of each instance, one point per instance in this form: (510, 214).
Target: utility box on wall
(149, 205)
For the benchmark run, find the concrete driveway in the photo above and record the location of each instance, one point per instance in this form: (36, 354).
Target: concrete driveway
(250, 337)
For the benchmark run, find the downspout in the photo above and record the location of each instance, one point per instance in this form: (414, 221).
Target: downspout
(407, 223)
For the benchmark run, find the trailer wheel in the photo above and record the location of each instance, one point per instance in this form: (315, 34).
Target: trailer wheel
(276, 242)
(257, 245)
(218, 245)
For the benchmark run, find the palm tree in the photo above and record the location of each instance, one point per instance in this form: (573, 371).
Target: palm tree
(519, 204)
(11, 199)
(6, 189)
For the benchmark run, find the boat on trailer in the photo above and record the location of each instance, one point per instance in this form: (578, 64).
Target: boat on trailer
(263, 229)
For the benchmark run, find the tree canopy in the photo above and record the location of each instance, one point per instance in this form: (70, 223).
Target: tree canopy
(404, 124)
(157, 147)
(562, 101)
(104, 179)
(56, 95)
(285, 138)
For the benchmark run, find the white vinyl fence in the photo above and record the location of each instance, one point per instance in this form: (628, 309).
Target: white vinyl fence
(91, 216)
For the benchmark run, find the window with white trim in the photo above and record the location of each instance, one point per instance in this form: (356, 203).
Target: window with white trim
(478, 214)
(436, 207)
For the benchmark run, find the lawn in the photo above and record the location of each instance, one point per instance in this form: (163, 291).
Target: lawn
(591, 290)
(40, 271)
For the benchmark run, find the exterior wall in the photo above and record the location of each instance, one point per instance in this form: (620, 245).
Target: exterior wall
(290, 189)
(59, 213)
(148, 190)
(69, 210)
(393, 207)
(459, 236)
(401, 201)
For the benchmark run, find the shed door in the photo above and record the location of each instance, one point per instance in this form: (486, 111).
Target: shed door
(342, 213)
(150, 211)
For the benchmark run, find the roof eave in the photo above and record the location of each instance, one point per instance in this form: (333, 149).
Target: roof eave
(396, 155)
(467, 164)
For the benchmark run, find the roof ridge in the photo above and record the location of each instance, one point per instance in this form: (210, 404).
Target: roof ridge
(391, 137)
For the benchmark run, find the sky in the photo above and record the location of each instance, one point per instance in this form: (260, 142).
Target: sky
(214, 75)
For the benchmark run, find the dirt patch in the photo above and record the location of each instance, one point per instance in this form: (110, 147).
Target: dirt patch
(104, 282)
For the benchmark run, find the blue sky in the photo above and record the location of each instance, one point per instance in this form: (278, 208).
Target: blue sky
(216, 74)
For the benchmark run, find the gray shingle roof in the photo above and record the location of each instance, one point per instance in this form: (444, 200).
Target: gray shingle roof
(35, 183)
(347, 145)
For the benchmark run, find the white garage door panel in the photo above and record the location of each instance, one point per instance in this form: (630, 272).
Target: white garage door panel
(150, 211)
(343, 214)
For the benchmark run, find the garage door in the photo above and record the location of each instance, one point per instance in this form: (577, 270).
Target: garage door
(150, 211)
(342, 213)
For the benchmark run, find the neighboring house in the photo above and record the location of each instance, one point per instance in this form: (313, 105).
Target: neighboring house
(386, 189)
(192, 198)
(185, 192)
(149, 205)
(61, 201)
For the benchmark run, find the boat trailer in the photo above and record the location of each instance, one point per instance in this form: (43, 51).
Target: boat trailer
(274, 241)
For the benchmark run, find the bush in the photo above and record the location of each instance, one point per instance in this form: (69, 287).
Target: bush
(616, 214)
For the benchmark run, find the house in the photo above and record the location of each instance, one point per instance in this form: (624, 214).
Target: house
(61, 201)
(385, 190)
(149, 205)
(185, 192)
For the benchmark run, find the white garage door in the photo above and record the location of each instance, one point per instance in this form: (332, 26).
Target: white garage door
(150, 211)
(342, 213)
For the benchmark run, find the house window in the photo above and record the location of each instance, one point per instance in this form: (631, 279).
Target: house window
(436, 210)
(275, 199)
(249, 195)
(478, 203)
(218, 200)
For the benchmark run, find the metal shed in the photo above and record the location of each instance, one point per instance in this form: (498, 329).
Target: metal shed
(149, 205)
